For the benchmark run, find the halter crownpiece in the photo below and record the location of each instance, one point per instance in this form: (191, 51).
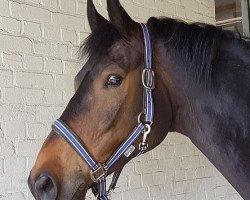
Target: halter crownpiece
(98, 171)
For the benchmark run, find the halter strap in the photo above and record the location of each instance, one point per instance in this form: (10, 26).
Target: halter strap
(99, 171)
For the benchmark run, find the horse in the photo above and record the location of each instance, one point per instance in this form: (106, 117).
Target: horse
(199, 84)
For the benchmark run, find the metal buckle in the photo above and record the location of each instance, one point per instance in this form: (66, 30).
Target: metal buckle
(97, 174)
(151, 74)
(144, 145)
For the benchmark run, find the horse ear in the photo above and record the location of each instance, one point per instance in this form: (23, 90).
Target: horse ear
(94, 18)
(119, 17)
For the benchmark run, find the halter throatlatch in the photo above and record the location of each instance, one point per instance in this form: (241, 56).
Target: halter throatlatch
(98, 171)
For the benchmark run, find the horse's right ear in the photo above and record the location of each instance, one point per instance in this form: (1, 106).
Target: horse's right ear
(94, 18)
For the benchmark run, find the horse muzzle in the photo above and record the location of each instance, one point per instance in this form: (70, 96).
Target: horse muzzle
(43, 187)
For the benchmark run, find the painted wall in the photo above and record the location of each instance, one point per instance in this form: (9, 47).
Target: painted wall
(38, 44)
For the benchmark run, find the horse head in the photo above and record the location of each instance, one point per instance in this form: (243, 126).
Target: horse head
(104, 109)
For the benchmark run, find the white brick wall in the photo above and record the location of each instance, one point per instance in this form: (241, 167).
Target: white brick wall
(38, 44)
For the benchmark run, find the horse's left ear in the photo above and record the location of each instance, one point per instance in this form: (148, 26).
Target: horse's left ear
(120, 18)
(95, 19)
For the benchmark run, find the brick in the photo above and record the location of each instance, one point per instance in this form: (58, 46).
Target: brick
(183, 150)
(28, 12)
(13, 195)
(138, 194)
(1, 131)
(140, 2)
(135, 181)
(36, 130)
(68, 5)
(24, 148)
(15, 129)
(161, 5)
(116, 196)
(54, 97)
(13, 61)
(83, 36)
(19, 183)
(147, 179)
(10, 25)
(67, 95)
(32, 29)
(16, 112)
(206, 11)
(33, 62)
(4, 8)
(32, 2)
(72, 68)
(64, 82)
(24, 95)
(89, 195)
(150, 4)
(180, 174)
(158, 191)
(50, 3)
(128, 169)
(147, 166)
(68, 21)
(74, 53)
(12, 163)
(51, 49)
(48, 114)
(81, 7)
(182, 187)
(6, 78)
(1, 95)
(171, 9)
(7, 149)
(220, 191)
(15, 44)
(1, 166)
(160, 153)
(200, 172)
(5, 183)
(181, 12)
(192, 161)
(69, 36)
(54, 66)
(34, 80)
(177, 2)
(191, 5)
(122, 184)
(52, 32)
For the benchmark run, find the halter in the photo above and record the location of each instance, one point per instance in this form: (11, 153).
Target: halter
(99, 171)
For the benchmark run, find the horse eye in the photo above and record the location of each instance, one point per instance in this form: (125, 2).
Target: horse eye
(114, 80)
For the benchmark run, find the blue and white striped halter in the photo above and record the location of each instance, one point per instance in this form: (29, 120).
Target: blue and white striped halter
(98, 171)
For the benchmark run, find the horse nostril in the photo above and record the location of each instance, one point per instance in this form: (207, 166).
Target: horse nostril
(45, 187)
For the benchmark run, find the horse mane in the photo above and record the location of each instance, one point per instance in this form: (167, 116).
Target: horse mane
(196, 47)
(99, 41)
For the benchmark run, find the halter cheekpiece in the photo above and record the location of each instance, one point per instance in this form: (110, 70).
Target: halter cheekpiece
(99, 171)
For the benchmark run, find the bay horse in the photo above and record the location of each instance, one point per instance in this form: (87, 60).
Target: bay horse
(201, 89)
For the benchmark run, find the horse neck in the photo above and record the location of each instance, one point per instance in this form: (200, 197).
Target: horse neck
(205, 119)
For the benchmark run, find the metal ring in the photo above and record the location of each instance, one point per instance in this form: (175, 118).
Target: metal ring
(143, 121)
(144, 73)
(139, 117)
(147, 129)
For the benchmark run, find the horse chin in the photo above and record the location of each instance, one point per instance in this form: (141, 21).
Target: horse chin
(80, 192)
